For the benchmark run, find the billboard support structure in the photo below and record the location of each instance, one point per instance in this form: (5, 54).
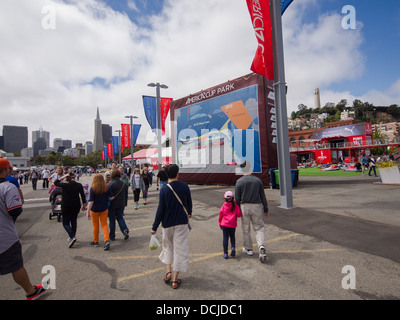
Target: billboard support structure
(158, 97)
(281, 111)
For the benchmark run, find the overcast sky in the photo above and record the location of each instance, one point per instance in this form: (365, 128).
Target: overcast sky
(60, 60)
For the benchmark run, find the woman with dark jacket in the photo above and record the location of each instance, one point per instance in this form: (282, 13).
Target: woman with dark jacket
(117, 206)
(173, 212)
(71, 204)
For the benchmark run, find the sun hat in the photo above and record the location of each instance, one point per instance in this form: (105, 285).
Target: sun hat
(4, 163)
(228, 195)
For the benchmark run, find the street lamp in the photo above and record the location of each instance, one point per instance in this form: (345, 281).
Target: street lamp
(119, 146)
(131, 122)
(158, 99)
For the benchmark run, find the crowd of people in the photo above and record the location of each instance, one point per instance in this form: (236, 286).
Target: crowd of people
(106, 199)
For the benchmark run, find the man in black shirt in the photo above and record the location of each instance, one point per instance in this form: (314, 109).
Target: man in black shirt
(162, 177)
(71, 204)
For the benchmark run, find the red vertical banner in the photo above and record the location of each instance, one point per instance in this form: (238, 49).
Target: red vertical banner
(263, 62)
(164, 105)
(102, 155)
(125, 136)
(110, 150)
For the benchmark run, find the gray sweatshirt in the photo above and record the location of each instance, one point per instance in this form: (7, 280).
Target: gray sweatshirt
(249, 189)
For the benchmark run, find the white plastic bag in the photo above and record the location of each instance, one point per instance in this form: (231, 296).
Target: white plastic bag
(154, 244)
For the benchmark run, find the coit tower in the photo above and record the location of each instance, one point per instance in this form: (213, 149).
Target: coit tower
(317, 99)
(98, 133)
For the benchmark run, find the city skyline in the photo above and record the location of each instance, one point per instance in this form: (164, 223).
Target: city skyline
(66, 58)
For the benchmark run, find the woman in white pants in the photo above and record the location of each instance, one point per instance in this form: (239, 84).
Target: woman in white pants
(173, 212)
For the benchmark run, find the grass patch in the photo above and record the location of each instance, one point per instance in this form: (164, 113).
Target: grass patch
(318, 172)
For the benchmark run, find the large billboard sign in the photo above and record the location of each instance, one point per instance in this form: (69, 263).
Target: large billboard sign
(219, 128)
(356, 129)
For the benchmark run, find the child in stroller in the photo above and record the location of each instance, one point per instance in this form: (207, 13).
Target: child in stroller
(55, 200)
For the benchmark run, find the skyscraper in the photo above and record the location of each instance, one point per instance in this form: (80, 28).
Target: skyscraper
(98, 133)
(41, 134)
(15, 138)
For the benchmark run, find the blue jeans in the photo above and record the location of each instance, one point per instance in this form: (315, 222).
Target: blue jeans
(370, 170)
(163, 183)
(116, 214)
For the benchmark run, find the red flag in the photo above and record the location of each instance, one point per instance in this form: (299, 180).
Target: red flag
(126, 136)
(263, 62)
(102, 155)
(110, 150)
(165, 104)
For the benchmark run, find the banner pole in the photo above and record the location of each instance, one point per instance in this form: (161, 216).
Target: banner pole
(281, 111)
(158, 97)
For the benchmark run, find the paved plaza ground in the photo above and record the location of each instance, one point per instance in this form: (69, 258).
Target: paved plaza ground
(336, 222)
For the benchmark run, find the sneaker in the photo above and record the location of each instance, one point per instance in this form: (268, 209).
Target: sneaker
(233, 252)
(126, 234)
(95, 244)
(71, 242)
(263, 254)
(248, 252)
(38, 291)
(107, 245)
(225, 255)
(136, 207)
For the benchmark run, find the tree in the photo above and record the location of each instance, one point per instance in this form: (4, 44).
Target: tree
(341, 105)
(394, 110)
(51, 159)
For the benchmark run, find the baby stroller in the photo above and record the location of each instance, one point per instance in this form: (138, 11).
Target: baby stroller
(55, 200)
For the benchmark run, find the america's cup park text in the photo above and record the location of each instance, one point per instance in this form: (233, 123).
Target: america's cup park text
(210, 93)
(215, 310)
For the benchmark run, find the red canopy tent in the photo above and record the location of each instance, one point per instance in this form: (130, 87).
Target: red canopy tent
(150, 156)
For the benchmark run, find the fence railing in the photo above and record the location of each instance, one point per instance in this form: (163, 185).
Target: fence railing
(369, 143)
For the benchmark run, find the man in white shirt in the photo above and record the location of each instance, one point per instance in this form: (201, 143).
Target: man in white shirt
(45, 177)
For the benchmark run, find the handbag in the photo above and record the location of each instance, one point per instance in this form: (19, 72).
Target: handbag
(180, 201)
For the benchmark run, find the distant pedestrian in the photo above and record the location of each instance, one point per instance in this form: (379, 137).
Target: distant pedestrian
(97, 209)
(364, 162)
(146, 184)
(71, 204)
(124, 176)
(372, 165)
(151, 173)
(117, 206)
(162, 178)
(34, 178)
(227, 220)
(173, 212)
(11, 260)
(250, 196)
(137, 184)
(45, 177)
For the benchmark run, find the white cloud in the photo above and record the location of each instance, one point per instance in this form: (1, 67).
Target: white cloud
(47, 75)
(132, 5)
(318, 55)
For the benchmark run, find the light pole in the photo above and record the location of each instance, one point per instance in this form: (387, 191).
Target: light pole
(119, 146)
(158, 99)
(131, 123)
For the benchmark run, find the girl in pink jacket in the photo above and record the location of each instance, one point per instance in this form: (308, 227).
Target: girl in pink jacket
(227, 220)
